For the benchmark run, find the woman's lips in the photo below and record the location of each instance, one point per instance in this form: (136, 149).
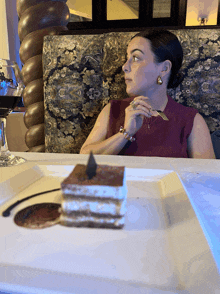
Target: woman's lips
(128, 80)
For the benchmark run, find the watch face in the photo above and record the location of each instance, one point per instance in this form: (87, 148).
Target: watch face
(38, 216)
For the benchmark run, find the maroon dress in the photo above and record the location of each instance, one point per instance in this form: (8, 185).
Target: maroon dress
(156, 137)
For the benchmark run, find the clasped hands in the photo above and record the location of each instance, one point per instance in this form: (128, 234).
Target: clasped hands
(135, 113)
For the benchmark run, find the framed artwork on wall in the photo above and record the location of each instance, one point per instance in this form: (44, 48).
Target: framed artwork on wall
(133, 15)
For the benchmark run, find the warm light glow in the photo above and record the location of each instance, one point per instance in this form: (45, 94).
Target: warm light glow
(80, 7)
(116, 9)
(201, 9)
(4, 46)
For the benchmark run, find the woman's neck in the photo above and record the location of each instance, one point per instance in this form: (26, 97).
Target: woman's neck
(158, 100)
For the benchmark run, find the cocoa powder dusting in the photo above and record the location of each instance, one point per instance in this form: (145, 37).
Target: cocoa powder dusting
(38, 216)
(105, 176)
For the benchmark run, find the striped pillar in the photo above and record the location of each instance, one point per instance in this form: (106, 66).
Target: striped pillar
(37, 18)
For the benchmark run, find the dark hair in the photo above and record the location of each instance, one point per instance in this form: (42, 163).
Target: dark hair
(166, 46)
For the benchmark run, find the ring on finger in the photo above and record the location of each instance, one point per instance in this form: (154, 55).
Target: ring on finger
(134, 106)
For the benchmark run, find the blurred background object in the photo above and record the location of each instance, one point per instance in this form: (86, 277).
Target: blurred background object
(37, 18)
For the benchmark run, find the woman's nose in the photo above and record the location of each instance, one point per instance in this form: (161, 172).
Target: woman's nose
(125, 67)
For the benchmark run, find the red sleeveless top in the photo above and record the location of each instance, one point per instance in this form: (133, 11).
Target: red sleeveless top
(156, 137)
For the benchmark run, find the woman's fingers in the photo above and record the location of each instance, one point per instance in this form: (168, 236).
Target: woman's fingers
(143, 98)
(135, 113)
(136, 108)
(144, 110)
(135, 104)
(140, 110)
(143, 103)
(154, 113)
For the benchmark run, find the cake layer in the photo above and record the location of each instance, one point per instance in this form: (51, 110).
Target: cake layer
(104, 192)
(86, 206)
(91, 221)
(109, 182)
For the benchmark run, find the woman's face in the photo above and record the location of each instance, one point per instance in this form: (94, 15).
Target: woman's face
(140, 70)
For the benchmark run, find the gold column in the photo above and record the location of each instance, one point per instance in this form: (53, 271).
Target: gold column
(37, 18)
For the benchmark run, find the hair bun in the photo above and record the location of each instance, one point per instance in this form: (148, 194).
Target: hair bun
(177, 79)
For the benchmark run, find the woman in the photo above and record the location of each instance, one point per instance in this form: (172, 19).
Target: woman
(132, 126)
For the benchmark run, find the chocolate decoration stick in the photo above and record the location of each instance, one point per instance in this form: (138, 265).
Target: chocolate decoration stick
(91, 167)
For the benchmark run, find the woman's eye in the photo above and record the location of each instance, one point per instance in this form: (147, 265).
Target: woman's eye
(135, 58)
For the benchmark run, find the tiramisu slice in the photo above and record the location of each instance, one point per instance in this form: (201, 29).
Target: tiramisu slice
(98, 201)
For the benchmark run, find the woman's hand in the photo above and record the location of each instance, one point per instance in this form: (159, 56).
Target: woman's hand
(135, 113)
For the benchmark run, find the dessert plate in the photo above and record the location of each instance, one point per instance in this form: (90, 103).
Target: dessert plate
(162, 247)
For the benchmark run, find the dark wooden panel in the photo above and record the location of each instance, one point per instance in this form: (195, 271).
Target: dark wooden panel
(99, 10)
(182, 13)
(145, 10)
(92, 30)
(124, 25)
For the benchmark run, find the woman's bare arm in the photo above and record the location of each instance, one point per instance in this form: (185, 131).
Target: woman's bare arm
(134, 117)
(199, 141)
(96, 141)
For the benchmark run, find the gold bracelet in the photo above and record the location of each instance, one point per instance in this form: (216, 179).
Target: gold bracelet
(127, 136)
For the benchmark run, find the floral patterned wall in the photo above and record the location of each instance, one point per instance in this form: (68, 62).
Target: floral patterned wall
(83, 72)
(73, 90)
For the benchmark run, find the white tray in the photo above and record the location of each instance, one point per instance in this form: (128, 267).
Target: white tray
(162, 248)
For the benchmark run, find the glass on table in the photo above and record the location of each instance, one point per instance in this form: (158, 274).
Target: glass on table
(11, 89)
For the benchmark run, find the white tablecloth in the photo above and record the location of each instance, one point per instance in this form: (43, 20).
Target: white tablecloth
(178, 164)
(200, 177)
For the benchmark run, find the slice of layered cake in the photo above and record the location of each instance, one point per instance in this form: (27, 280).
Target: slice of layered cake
(94, 196)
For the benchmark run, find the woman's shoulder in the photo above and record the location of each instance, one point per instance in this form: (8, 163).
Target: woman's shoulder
(180, 109)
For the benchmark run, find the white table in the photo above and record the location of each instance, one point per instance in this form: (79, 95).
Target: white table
(178, 164)
(200, 178)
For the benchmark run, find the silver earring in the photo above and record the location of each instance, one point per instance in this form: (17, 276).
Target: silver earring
(159, 80)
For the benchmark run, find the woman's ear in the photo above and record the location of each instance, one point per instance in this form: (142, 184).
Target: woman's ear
(167, 65)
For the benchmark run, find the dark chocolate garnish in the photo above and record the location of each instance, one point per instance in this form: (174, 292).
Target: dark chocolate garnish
(91, 167)
(7, 211)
